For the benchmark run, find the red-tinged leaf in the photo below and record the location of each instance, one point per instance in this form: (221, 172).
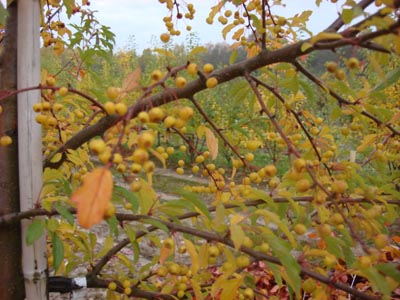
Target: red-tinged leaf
(396, 239)
(131, 81)
(93, 197)
(212, 143)
(165, 252)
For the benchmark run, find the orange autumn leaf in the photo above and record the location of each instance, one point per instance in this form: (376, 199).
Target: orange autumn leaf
(93, 197)
(212, 143)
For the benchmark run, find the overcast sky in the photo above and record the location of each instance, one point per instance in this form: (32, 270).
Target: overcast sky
(143, 19)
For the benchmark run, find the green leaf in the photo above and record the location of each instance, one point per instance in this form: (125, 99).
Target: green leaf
(275, 270)
(34, 231)
(390, 269)
(58, 250)
(129, 196)
(65, 213)
(347, 15)
(197, 202)
(391, 78)
(378, 282)
(334, 245)
(233, 57)
(131, 233)
(281, 249)
(113, 223)
(157, 224)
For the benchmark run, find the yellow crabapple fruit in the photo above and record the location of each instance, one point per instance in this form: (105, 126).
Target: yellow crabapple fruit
(136, 168)
(63, 91)
(185, 113)
(169, 243)
(97, 146)
(50, 80)
(121, 108)
(109, 107)
(331, 66)
(117, 158)
(113, 92)
(149, 166)
(156, 75)
(208, 68)
(169, 122)
(145, 140)
(270, 170)
(192, 69)
(164, 37)
(252, 145)
(180, 82)
(303, 185)
(143, 117)
(339, 186)
(112, 286)
(37, 107)
(211, 82)
(140, 156)
(5, 141)
(110, 211)
(156, 114)
(353, 63)
(136, 186)
(242, 261)
(170, 150)
(300, 228)
(299, 164)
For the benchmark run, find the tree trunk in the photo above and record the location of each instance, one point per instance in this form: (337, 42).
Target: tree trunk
(11, 278)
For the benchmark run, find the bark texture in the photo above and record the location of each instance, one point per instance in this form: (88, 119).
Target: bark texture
(11, 277)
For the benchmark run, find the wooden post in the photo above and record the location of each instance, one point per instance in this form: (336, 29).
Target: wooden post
(34, 259)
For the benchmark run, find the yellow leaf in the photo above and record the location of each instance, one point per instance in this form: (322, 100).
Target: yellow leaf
(367, 141)
(212, 143)
(52, 174)
(200, 131)
(131, 81)
(203, 256)
(227, 29)
(196, 289)
(159, 156)
(305, 46)
(164, 52)
(322, 36)
(238, 33)
(231, 288)
(93, 197)
(237, 235)
(56, 158)
(194, 256)
(196, 50)
(147, 197)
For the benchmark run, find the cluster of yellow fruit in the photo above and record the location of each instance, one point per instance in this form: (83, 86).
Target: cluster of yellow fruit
(45, 118)
(181, 274)
(169, 22)
(125, 284)
(111, 107)
(332, 67)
